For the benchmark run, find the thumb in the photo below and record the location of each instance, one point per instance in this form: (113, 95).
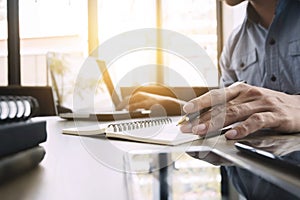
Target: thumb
(189, 107)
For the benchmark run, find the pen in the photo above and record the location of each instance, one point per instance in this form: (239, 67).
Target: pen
(191, 116)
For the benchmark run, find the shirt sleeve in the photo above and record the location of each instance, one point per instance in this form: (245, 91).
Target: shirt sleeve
(228, 76)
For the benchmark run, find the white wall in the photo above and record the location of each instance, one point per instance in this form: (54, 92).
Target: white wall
(232, 17)
(33, 57)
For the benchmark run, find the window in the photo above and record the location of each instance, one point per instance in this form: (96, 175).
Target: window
(116, 17)
(59, 25)
(3, 43)
(197, 21)
(49, 26)
(194, 19)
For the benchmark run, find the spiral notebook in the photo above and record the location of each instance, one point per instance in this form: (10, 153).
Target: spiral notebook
(153, 130)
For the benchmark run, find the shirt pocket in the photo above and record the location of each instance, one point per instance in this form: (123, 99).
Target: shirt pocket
(246, 66)
(294, 48)
(293, 61)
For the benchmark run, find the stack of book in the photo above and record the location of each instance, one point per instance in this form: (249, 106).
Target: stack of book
(20, 137)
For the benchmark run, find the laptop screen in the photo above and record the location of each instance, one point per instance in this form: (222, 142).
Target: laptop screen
(108, 82)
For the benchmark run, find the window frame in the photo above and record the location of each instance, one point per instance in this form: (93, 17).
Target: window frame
(13, 38)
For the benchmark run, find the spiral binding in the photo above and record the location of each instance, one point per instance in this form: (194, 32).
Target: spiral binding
(128, 126)
(17, 108)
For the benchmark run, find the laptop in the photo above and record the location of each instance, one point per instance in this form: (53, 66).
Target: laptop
(183, 93)
(106, 116)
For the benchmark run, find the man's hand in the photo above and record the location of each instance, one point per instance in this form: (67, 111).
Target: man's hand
(153, 102)
(254, 107)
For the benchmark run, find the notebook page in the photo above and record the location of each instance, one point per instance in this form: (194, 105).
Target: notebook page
(85, 130)
(168, 134)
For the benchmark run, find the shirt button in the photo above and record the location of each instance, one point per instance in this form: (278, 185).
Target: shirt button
(272, 41)
(242, 65)
(273, 78)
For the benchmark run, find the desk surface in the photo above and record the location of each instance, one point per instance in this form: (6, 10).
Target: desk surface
(71, 170)
(283, 178)
(67, 172)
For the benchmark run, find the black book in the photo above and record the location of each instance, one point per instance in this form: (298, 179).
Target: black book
(19, 163)
(17, 131)
(18, 108)
(18, 136)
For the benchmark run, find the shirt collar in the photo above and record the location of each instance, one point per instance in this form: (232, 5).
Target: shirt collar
(252, 16)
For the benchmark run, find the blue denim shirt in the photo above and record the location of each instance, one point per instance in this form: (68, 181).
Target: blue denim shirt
(267, 58)
(263, 57)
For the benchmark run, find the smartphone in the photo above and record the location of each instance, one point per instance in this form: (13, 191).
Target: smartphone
(281, 152)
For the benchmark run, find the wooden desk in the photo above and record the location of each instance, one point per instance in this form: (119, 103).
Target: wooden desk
(70, 170)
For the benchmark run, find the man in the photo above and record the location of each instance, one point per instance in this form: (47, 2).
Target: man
(265, 52)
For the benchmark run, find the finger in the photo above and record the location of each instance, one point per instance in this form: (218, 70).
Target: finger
(212, 125)
(254, 123)
(240, 112)
(214, 118)
(129, 101)
(138, 105)
(207, 115)
(202, 102)
(215, 97)
(123, 104)
(187, 127)
(233, 109)
(199, 125)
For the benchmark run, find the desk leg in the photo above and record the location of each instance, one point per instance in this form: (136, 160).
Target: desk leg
(162, 189)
